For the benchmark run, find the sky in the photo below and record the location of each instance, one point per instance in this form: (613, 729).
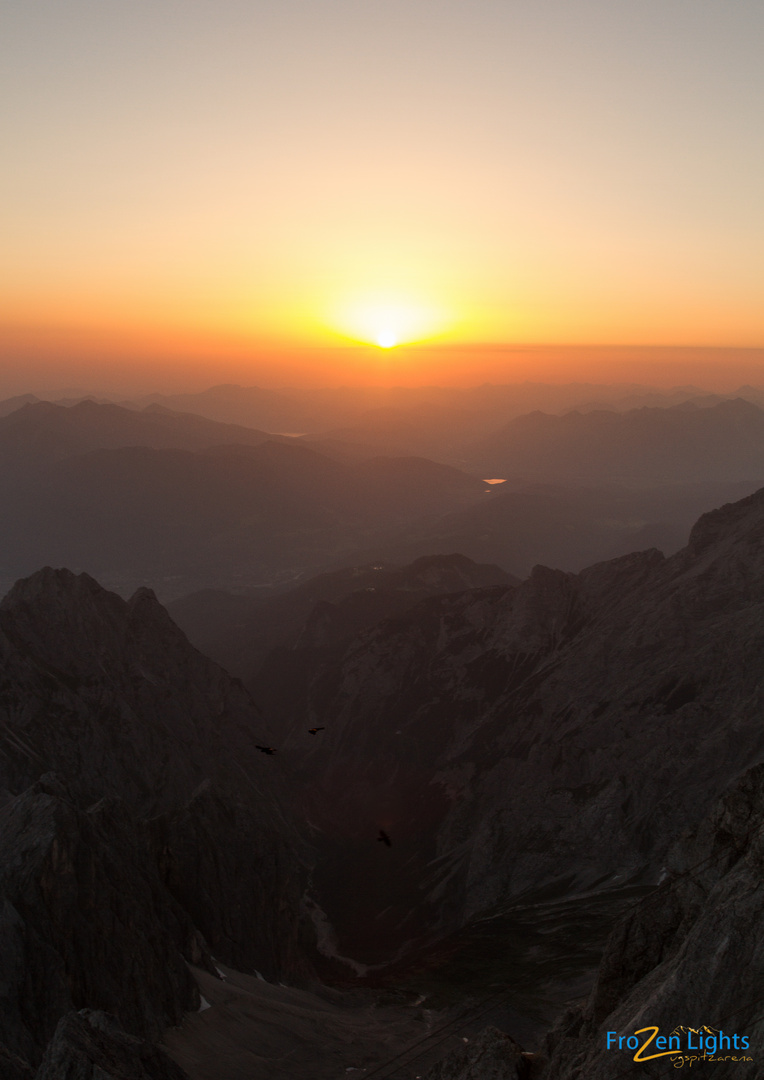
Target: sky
(203, 186)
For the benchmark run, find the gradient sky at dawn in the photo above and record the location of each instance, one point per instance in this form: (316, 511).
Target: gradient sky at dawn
(185, 177)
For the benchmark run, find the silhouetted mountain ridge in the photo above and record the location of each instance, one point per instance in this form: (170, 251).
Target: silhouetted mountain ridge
(41, 431)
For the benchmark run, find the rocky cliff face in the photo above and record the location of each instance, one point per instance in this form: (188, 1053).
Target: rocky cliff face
(111, 696)
(141, 828)
(86, 920)
(691, 955)
(91, 1045)
(312, 626)
(685, 962)
(562, 733)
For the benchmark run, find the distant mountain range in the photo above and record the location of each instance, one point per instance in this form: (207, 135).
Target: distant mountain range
(463, 409)
(181, 502)
(683, 443)
(98, 486)
(41, 432)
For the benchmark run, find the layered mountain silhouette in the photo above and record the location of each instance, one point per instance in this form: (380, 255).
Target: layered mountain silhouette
(567, 526)
(294, 409)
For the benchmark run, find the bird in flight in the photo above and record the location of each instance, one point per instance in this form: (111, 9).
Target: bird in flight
(315, 730)
(384, 838)
(266, 749)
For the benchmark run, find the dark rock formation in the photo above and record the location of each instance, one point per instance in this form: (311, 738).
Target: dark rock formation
(493, 1055)
(91, 1045)
(86, 920)
(237, 879)
(110, 695)
(691, 955)
(555, 736)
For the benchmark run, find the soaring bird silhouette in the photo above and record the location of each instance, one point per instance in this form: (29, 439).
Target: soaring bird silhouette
(315, 730)
(384, 838)
(266, 749)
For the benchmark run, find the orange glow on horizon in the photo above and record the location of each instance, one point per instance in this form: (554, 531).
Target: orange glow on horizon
(100, 360)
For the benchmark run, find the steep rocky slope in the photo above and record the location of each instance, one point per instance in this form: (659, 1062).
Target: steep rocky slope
(559, 734)
(160, 837)
(685, 962)
(91, 1045)
(691, 955)
(109, 694)
(513, 743)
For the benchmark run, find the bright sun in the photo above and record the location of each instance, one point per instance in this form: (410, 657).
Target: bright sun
(387, 321)
(386, 339)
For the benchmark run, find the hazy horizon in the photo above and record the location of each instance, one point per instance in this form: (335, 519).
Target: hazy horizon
(719, 370)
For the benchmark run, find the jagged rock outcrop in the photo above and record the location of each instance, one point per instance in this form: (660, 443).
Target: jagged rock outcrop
(91, 1045)
(163, 833)
(86, 920)
(493, 1055)
(690, 955)
(563, 732)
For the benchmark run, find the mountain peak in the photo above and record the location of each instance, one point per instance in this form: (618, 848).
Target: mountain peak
(48, 584)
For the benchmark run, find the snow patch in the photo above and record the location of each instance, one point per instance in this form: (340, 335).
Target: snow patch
(326, 938)
(204, 1005)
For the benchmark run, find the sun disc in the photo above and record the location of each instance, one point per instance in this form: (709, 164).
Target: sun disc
(387, 320)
